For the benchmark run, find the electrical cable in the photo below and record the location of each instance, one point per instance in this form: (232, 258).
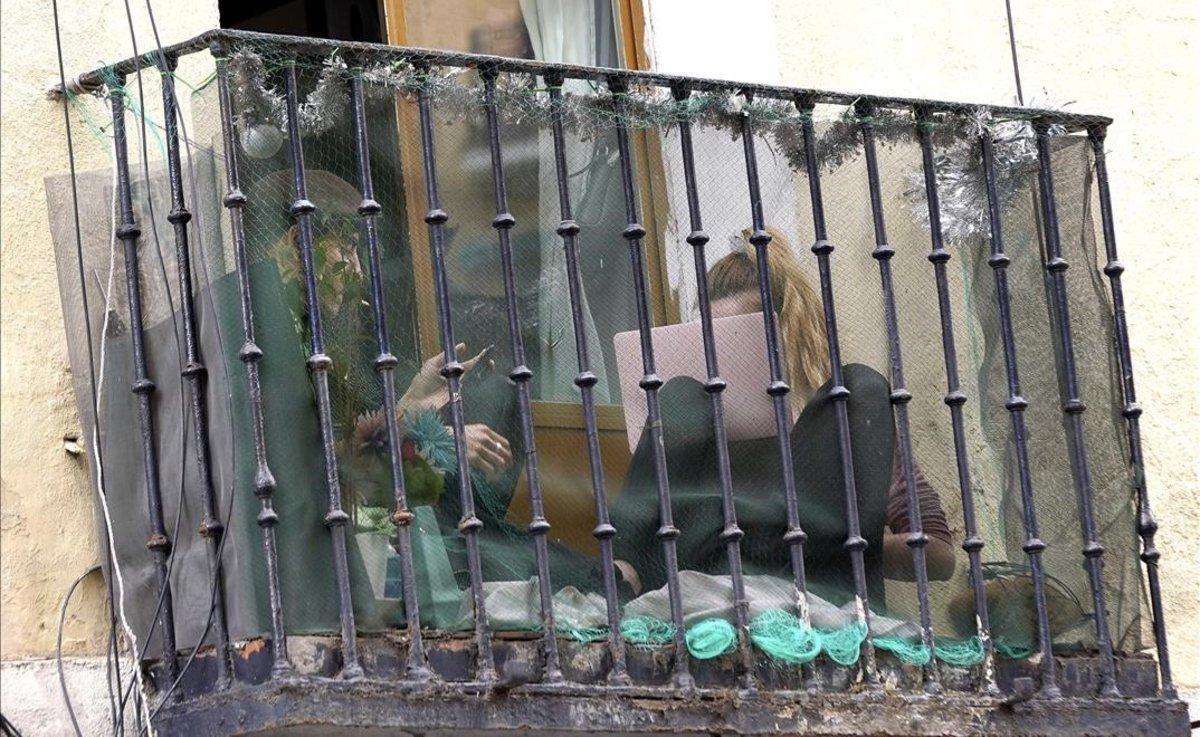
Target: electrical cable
(7, 728)
(114, 663)
(1012, 45)
(62, 619)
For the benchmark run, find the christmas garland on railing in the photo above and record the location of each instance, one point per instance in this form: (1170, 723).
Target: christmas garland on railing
(519, 98)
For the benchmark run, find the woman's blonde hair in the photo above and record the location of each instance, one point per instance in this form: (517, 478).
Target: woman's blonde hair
(801, 319)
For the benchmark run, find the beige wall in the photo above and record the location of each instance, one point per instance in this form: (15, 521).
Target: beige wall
(48, 535)
(1136, 67)
(1135, 62)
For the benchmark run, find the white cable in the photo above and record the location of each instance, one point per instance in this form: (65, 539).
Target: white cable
(108, 525)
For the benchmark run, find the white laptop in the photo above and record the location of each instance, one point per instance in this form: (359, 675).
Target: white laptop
(679, 351)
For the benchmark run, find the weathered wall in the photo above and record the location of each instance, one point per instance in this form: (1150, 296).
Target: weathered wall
(47, 523)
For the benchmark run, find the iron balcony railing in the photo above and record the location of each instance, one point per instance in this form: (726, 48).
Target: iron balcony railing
(631, 105)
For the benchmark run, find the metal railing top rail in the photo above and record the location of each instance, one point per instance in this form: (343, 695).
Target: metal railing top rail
(96, 78)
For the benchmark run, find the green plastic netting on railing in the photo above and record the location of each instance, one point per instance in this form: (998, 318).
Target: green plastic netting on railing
(774, 628)
(479, 310)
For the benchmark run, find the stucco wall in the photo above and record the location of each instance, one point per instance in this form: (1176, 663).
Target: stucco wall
(48, 535)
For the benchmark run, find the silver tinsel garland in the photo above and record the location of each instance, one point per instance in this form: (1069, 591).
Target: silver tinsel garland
(962, 189)
(520, 99)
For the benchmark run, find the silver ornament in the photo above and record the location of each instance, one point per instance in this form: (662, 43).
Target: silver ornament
(261, 140)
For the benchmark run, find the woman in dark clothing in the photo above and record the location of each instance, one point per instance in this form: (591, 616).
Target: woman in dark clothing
(692, 470)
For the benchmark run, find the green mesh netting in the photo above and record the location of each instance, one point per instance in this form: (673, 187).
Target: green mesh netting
(479, 314)
(645, 631)
(711, 638)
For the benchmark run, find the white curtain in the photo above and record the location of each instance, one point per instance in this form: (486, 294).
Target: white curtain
(561, 31)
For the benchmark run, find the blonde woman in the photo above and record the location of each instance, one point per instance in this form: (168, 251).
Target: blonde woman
(691, 457)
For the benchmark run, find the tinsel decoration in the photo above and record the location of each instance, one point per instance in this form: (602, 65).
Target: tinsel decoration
(521, 98)
(258, 103)
(842, 141)
(958, 166)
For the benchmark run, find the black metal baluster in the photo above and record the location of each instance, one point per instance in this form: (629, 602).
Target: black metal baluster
(416, 666)
(194, 371)
(127, 232)
(650, 382)
(1132, 411)
(973, 544)
(452, 370)
(250, 355)
(604, 532)
(319, 365)
(1016, 404)
(795, 536)
(955, 397)
(731, 534)
(1073, 409)
(521, 375)
(822, 248)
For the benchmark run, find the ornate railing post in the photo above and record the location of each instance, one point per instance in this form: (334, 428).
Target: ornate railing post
(1132, 412)
(1073, 409)
(650, 382)
(714, 386)
(604, 532)
(194, 371)
(319, 364)
(521, 376)
(416, 667)
(251, 354)
(1016, 404)
(143, 387)
(452, 370)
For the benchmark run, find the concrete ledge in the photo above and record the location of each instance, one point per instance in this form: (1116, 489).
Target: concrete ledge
(313, 706)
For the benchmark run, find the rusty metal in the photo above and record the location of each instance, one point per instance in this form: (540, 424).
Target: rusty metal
(319, 364)
(263, 483)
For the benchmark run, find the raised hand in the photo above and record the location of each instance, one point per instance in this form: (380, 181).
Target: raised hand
(428, 388)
